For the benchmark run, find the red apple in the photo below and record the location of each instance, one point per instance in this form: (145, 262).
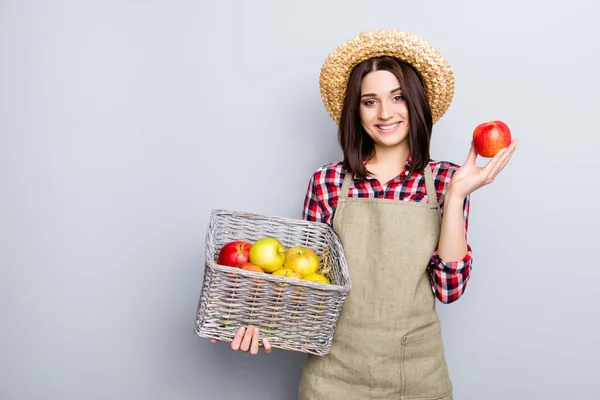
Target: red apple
(234, 253)
(490, 137)
(248, 266)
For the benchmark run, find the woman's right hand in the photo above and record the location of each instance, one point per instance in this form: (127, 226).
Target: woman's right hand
(246, 339)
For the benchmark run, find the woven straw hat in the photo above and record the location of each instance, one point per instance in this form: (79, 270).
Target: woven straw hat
(434, 70)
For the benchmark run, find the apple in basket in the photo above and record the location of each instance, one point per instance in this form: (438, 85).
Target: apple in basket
(490, 137)
(234, 253)
(318, 278)
(268, 253)
(303, 260)
(288, 273)
(248, 266)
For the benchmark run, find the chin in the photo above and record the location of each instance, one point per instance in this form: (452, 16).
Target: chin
(392, 141)
(403, 142)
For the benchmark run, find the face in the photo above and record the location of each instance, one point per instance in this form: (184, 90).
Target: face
(383, 110)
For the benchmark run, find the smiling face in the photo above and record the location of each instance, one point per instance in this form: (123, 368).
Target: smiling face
(383, 110)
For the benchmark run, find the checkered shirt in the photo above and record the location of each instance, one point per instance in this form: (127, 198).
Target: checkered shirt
(448, 279)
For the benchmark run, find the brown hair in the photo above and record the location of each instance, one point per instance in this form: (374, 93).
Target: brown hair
(356, 144)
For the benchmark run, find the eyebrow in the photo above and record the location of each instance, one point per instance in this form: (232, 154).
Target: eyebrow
(373, 94)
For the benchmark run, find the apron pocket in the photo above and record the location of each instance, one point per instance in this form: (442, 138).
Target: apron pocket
(424, 370)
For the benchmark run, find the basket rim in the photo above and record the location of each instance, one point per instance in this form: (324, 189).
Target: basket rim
(277, 218)
(216, 212)
(281, 279)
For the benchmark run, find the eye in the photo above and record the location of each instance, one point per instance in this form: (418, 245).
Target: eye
(398, 97)
(369, 103)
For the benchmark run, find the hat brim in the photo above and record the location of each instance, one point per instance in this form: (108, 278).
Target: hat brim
(434, 70)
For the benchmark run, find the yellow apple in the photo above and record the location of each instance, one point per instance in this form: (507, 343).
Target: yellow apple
(288, 273)
(268, 253)
(302, 260)
(320, 278)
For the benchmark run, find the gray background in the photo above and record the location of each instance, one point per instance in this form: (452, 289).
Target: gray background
(124, 123)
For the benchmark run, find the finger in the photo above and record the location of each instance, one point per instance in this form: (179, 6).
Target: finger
(266, 345)
(494, 161)
(485, 175)
(507, 156)
(254, 347)
(247, 338)
(472, 157)
(508, 149)
(237, 339)
(502, 162)
(214, 340)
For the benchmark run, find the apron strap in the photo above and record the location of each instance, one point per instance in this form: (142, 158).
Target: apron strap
(346, 185)
(431, 192)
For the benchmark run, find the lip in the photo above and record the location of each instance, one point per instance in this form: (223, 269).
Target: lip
(395, 126)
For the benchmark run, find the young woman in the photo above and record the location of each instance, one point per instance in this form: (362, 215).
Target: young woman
(402, 219)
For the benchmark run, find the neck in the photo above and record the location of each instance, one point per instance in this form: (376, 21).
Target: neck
(393, 158)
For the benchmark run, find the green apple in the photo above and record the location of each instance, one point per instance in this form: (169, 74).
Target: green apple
(302, 260)
(288, 273)
(268, 253)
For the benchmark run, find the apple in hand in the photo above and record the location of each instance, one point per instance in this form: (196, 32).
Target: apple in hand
(234, 253)
(490, 137)
(302, 260)
(268, 253)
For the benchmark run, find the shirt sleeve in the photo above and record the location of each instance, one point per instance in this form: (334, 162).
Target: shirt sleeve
(312, 210)
(449, 279)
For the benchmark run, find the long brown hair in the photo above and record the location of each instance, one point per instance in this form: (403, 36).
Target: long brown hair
(356, 144)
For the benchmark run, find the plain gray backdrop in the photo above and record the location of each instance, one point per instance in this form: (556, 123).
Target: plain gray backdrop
(123, 123)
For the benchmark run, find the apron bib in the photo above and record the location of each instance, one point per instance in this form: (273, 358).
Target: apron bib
(388, 342)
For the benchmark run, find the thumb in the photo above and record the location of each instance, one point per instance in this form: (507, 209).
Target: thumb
(472, 157)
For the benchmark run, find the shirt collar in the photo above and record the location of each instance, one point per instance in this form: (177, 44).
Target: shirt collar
(407, 166)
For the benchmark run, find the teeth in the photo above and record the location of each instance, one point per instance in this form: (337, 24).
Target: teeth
(388, 127)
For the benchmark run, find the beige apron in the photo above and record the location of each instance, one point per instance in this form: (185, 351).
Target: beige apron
(388, 342)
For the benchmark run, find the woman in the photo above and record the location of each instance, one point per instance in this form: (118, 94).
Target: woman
(402, 219)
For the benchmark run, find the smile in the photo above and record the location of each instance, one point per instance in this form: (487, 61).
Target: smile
(387, 128)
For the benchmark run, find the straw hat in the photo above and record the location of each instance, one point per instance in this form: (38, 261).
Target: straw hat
(434, 70)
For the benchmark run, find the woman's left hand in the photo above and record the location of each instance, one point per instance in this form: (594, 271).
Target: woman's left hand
(470, 177)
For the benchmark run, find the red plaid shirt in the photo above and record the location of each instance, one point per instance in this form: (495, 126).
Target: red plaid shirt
(449, 279)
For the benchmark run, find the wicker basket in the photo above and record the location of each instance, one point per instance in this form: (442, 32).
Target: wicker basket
(293, 314)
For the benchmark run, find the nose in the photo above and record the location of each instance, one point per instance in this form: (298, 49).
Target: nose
(384, 111)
